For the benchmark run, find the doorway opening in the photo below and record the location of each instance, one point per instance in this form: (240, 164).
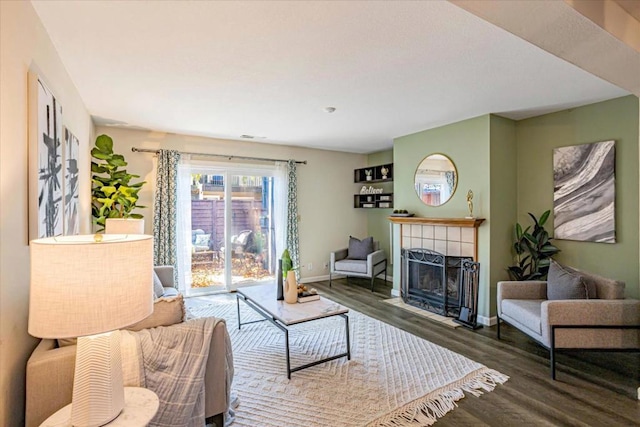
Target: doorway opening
(233, 229)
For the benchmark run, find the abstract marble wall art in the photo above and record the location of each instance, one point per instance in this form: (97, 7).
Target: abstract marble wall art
(584, 192)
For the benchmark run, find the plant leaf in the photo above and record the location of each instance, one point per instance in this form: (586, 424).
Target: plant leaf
(116, 162)
(104, 143)
(99, 155)
(544, 217)
(518, 231)
(108, 190)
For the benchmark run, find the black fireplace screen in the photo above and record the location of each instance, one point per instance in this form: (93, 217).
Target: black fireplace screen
(432, 281)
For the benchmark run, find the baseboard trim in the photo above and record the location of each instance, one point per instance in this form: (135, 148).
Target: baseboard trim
(314, 279)
(395, 292)
(340, 276)
(488, 321)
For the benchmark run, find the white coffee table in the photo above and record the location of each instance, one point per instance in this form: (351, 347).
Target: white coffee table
(262, 299)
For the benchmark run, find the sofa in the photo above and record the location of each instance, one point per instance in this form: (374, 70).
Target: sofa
(602, 320)
(50, 368)
(368, 264)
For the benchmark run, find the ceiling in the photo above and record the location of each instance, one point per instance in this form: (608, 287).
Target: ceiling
(269, 69)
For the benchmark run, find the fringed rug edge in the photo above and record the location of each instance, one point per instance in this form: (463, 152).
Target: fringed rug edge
(425, 410)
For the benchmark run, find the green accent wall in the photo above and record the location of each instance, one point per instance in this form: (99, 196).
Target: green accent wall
(502, 201)
(509, 167)
(377, 219)
(537, 137)
(467, 143)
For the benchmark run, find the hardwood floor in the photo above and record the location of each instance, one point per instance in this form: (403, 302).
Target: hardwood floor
(592, 389)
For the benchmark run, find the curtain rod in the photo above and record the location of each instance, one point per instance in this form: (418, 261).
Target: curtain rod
(227, 156)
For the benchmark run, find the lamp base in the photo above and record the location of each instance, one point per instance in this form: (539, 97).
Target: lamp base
(98, 392)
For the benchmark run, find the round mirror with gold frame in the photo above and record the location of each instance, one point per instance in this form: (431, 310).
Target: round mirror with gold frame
(436, 179)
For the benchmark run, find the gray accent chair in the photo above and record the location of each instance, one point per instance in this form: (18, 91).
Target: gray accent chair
(375, 264)
(605, 323)
(165, 274)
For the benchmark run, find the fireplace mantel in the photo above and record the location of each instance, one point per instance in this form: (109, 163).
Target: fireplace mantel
(448, 236)
(452, 222)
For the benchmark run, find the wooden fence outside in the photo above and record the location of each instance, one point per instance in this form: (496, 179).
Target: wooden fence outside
(208, 215)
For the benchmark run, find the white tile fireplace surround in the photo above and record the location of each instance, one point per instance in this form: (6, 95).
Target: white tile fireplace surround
(449, 236)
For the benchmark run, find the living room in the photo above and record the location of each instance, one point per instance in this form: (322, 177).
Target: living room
(515, 178)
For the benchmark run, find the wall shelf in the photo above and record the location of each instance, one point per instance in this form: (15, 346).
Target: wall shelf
(371, 201)
(376, 174)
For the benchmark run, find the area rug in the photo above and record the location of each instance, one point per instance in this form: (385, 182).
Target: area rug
(393, 378)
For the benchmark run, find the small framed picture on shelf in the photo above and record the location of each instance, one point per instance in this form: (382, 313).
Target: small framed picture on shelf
(384, 205)
(367, 205)
(386, 198)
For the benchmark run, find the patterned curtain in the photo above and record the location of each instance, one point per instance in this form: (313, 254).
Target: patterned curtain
(165, 211)
(451, 180)
(292, 216)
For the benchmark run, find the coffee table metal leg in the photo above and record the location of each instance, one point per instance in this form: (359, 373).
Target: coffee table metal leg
(286, 343)
(346, 325)
(238, 304)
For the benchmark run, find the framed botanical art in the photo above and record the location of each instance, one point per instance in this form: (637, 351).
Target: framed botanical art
(45, 161)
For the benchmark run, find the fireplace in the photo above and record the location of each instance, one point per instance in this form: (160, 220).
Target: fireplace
(432, 281)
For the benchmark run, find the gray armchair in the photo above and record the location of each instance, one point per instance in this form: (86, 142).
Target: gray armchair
(605, 322)
(375, 264)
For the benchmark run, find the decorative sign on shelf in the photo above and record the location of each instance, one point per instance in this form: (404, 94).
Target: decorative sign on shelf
(370, 190)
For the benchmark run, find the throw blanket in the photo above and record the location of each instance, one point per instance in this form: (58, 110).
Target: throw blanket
(171, 361)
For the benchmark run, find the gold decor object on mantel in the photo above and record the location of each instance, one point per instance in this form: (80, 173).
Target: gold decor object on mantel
(470, 203)
(456, 222)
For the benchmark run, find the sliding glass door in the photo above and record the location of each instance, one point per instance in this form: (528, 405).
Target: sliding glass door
(233, 227)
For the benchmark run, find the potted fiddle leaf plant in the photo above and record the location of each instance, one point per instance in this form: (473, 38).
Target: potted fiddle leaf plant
(533, 250)
(113, 194)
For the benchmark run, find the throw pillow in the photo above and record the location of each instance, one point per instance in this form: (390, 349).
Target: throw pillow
(202, 239)
(588, 281)
(565, 284)
(166, 312)
(359, 249)
(158, 289)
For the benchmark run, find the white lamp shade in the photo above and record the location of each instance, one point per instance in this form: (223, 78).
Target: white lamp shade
(124, 226)
(83, 287)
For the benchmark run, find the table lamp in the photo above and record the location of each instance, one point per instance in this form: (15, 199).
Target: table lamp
(124, 226)
(87, 286)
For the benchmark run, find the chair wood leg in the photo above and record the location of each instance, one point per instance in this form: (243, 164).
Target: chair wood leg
(373, 278)
(498, 318)
(329, 278)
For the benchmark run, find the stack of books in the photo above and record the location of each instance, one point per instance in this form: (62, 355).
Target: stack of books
(308, 296)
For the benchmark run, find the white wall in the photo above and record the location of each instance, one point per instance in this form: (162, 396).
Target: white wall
(23, 44)
(325, 185)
